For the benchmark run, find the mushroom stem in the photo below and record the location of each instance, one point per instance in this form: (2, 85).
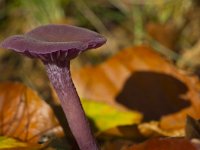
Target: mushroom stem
(60, 77)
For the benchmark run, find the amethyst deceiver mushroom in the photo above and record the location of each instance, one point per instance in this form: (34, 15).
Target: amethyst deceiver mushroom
(56, 45)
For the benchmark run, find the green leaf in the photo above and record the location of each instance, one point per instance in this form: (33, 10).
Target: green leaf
(106, 116)
(6, 142)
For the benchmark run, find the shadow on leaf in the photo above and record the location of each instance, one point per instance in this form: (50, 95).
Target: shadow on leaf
(154, 94)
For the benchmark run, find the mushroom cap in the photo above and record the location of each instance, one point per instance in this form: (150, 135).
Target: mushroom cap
(54, 42)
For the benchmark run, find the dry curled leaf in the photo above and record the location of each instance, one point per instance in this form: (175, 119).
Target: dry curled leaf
(192, 128)
(152, 129)
(140, 79)
(24, 115)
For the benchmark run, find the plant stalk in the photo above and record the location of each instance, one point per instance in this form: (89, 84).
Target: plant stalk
(60, 77)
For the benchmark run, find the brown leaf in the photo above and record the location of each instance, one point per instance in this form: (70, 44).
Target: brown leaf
(192, 128)
(119, 144)
(165, 144)
(138, 78)
(166, 34)
(152, 129)
(24, 115)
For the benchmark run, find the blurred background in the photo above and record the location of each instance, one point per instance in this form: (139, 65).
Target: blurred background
(167, 25)
(170, 27)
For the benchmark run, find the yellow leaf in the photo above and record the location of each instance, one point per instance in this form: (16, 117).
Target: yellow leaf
(6, 142)
(106, 116)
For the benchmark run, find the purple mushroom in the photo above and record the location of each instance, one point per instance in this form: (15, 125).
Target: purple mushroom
(56, 45)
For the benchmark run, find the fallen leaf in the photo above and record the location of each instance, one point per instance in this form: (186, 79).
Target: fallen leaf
(165, 144)
(153, 129)
(24, 115)
(140, 79)
(119, 144)
(10, 143)
(7, 143)
(105, 116)
(192, 128)
(126, 132)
